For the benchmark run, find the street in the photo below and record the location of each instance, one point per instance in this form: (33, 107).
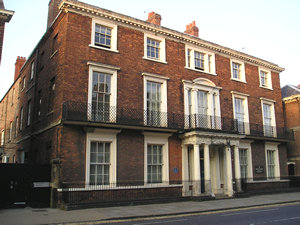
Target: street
(287, 214)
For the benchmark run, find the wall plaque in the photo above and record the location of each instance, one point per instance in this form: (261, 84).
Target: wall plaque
(259, 169)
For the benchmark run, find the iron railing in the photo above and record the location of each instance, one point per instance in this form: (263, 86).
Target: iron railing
(85, 112)
(260, 130)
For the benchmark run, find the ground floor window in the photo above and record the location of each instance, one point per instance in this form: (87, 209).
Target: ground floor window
(243, 163)
(99, 163)
(154, 163)
(271, 164)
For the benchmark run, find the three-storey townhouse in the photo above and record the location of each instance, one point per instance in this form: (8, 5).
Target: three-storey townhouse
(129, 110)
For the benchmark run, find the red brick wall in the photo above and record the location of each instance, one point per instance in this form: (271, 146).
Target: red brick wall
(130, 156)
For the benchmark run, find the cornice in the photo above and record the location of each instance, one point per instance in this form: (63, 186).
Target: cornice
(6, 15)
(93, 11)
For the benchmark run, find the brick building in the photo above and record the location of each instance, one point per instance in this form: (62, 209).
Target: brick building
(5, 17)
(291, 106)
(117, 103)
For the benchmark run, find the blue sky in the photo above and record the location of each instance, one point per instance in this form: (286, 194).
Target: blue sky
(267, 29)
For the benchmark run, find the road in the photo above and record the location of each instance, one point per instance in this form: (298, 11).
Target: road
(287, 214)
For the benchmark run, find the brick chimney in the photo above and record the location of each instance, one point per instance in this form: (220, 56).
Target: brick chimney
(192, 29)
(18, 65)
(53, 11)
(154, 18)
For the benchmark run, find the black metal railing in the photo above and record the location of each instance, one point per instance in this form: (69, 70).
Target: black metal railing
(260, 130)
(84, 112)
(129, 191)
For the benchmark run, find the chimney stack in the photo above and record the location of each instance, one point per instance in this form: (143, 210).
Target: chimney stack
(18, 65)
(154, 18)
(53, 10)
(192, 29)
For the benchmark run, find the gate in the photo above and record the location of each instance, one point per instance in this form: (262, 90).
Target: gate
(25, 185)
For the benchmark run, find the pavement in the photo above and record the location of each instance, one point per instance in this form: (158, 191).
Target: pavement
(34, 216)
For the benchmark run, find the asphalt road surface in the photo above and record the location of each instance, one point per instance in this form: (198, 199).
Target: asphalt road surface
(287, 214)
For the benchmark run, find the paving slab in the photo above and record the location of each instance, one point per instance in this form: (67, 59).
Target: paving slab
(32, 216)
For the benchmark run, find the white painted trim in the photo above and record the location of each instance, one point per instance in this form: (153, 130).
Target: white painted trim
(114, 35)
(269, 78)
(103, 135)
(273, 116)
(247, 145)
(242, 70)
(273, 146)
(108, 69)
(157, 139)
(164, 94)
(206, 62)
(244, 97)
(162, 47)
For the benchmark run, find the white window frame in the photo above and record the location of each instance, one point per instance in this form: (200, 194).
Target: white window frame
(164, 95)
(209, 60)
(162, 47)
(107, 69)
(213, 96)
(10, 131)
(32, 70)
(2, 138)
(273, 117)
(244, 97)
(103, 135)
(242, 70)
(268, 85)
(151, 138)
(28, 113)
(247, 145)
(114, 35)
(271, 146)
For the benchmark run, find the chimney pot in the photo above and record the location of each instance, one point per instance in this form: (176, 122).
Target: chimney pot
(154, 18)
(192, 29)
(18, 65)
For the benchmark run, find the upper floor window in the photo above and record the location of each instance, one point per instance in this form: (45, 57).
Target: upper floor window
(21, 119)
(154, 48)
(2, 137)
(202, 104)
(238, 71)
(23, 83)
(51, 94)
(102, 96)
(155, 99)
(268, 112)
(201, 60)
(32, 70)
(10, 131)
(265, 79)
(240, 110)
(104, 35)
(28, 112)
(16, 128)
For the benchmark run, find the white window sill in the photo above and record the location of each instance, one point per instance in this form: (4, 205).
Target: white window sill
(201, 71)
(265, 87)
(102, 48)
(155, 60)
(241, 81)
(267, 181)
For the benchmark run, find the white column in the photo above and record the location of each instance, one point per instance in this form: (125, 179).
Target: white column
(196, 178)
(207, 170)
(228, 173)
(237, 169)
(185, 171)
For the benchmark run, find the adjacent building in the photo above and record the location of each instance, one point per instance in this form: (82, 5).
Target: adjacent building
(291, 106)
(5, 17)
(120, 104)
